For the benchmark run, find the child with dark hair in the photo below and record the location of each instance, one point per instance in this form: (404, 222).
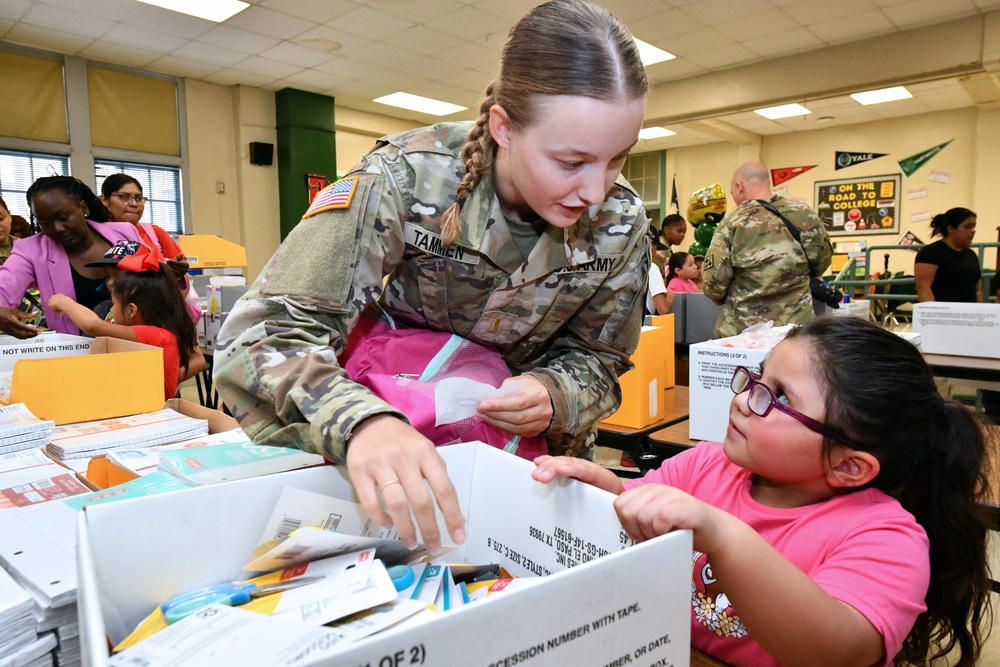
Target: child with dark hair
(839, 521)
(6, 242)
(147, 308)
(681, 272)
(20, 228)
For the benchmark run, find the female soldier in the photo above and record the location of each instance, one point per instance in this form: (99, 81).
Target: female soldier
(514, 232)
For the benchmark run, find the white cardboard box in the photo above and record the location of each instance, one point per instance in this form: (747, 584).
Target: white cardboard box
(710, 369)
(963, 329)
(635, 601)
(42, 346)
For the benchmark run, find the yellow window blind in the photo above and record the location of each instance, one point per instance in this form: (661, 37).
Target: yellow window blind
(132, 112)
(35, 105)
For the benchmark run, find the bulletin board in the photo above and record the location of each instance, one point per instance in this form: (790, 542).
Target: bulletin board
(859, 206)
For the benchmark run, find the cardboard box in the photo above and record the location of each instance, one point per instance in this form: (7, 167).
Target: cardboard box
(642, 387)
(597, 603)
(213, 324)
(962, 329)
(711, 368)
(199, 328)
(670, 354)
(222, 298)
(102, 474)
(43, 346)
(209, 250)
(115, 378)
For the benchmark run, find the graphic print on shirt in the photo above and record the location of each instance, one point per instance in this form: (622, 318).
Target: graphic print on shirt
(711, 606)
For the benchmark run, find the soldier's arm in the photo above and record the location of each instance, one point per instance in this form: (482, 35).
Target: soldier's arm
(818, 247)
(717, 269)
(580, 369)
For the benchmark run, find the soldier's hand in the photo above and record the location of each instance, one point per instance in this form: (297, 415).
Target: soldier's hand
(522, 408)
(388, 457)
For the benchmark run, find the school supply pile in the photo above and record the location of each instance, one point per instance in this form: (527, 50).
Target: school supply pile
(29, 477)
(89, 439)
(17, 622)
(19, 429)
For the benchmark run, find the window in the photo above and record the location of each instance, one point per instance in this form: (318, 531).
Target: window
(161, 185)
(19, 169)
(642, 171)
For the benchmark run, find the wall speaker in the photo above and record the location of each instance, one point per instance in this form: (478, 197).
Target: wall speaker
(261, 153)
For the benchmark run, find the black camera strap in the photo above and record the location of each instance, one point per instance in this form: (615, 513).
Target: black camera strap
(792, 229)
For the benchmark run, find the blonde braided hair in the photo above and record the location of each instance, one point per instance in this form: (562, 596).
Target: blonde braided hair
(477, 154)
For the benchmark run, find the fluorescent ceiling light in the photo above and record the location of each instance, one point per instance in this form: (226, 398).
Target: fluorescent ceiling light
(421, 104)
(655, 132)
(650, 55)
(883, 95)
(213, 10)
(783, 111)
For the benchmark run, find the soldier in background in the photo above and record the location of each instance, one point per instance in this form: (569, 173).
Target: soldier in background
(515, 231)
(754, 267)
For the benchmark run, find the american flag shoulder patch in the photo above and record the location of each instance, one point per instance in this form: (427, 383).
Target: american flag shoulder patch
(334, 196)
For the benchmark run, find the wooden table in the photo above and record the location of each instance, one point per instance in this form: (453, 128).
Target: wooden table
(672, 440)
(980, 369)
(634, 440)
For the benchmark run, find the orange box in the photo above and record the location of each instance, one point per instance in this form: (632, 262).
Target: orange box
(117, 378)
(205, 251)
(643, 402)
(669, 355)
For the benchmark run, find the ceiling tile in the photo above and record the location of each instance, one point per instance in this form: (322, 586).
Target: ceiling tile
(44, 38)
(182, 67)
(726, 56)
(697, 41)
(471, 55)
(115, 10)
(66, 20)
(172, 23)
(271, 23)
(381, 54)
(923, 12)
(472, 24)
(206, 53)
(265, 67)
(630, 10)
(446, 92)
(5, 25)
(769, 23)
(14, 9)
(231, 77)
(425, 41)
(790, 42)
(661, 26)
(141, 38)
(238, 40)
(725, 10)
(429, 67)
(810, 12)
(333, 41)
(369, 23)
(119, 55)
(678, 68)
(350, 68)
(293, 54)
(508, 10)
(469, 80)
(319, 81)
(417, 12)
(319, 11)
(839, 31)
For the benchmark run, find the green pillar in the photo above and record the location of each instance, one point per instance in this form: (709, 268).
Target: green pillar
(307, 144)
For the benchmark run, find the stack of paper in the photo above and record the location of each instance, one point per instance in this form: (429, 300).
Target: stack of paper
(231, 457)
(147, 460)
(68, 652)
(29, 477)
(36, 654)
(89, 439)
(17, 623)
(19, 429)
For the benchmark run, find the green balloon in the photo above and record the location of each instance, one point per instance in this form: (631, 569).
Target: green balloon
(698, 249)
(703, 233)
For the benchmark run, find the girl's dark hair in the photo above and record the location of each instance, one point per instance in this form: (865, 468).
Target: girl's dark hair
(160, 303)
(880, 394)
(20, 227)
(562, 47)
(74, 187)
(114, 183)
(953, 217)
(674, 264)
(672, 220)
(4, 205)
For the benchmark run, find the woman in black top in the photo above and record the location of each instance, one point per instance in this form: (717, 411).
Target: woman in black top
(948, 270)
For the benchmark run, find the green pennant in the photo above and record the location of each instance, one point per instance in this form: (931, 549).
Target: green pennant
(914, 162)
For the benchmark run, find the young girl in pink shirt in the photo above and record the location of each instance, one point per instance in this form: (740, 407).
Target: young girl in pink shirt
(681, 272)
(838, 522)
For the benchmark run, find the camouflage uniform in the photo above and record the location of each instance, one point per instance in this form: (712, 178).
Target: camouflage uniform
(755, 268)
(569, 315)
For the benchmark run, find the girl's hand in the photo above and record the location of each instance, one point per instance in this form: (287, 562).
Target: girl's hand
(11, 324)
(550, 467)
(523, 407)
(656, 509)
(57, 302)
(388, 456)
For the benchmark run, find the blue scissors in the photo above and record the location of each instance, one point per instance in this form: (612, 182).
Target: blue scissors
(231, 595)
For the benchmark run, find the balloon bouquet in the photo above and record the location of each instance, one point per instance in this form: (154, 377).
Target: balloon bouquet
(705, 211)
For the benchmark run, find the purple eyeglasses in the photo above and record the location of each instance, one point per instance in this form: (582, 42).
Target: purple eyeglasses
(762, 399)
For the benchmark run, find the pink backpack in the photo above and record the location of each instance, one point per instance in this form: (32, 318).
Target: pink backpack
(402, 367)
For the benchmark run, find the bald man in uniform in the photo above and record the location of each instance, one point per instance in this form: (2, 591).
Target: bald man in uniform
(754, 266)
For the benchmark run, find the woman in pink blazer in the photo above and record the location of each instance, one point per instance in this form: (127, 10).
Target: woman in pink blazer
(74, 231)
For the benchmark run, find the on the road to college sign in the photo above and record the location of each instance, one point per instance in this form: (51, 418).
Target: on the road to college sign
(859, 206)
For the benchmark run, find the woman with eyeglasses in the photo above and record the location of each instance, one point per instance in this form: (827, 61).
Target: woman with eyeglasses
(75, 230)
(838, 522)
(122, 194)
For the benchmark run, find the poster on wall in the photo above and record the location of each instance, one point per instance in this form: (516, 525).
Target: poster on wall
(859, 206)
(314, 185)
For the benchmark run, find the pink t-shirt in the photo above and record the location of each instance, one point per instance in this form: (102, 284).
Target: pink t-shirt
(683, 285)
(862, 548)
